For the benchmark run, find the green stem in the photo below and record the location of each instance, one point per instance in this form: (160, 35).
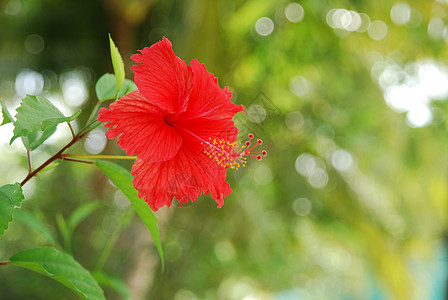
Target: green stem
(28, 154)
(93, 113)
(71, 129)
(90, 127)
(99, 156)
(77, 160)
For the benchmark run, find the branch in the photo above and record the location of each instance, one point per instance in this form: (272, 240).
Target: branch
(58, 155)
(77, 160)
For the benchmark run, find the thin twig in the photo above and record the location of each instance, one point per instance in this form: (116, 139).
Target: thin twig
(92, 114)
(78, 160)
(4, 263)
(89, 127)
(28, 154)
(99, 156)
(71, 130)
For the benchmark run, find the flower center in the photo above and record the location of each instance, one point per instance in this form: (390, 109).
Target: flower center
(232, 155)
(171, 119)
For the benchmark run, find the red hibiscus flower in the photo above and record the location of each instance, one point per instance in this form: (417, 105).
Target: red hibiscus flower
(179, 124)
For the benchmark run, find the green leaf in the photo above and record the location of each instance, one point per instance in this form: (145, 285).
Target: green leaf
(128, 86)
(117, 63)
(60, 267)
(80, 214)
(111, 282)
(63, 229)
(122, 178)
(28, 219)
(7, 118)
(10, 198)
(106, 87)
(35, 139)
(36, 120)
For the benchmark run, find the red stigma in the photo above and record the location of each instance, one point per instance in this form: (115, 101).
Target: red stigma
(232, 155)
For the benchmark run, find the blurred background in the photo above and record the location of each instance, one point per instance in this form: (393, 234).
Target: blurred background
(349, 98)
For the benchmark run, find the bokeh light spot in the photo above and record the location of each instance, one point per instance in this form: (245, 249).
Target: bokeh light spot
(294, 120)
(348, 20)
(377, 30)
(412, 89)
(96, 141)
(329, 17)
(356, 21)
(341, 18)
(419, 116)
(13, 7)
(29, 82)
(256, 113)
(318, 178)
(342, 160)
(305, 164)
(433, 79)
(300, 86)
(34, 44)
(121, 200)
(400, 13)
(184, 294)
(294, 12)
(264, 26)
(391, 75)
(365, 22)
(313, 168)
(435, 28)
(302, 206)
(74, 89)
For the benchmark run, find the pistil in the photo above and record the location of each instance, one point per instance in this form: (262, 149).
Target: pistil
(232, 154)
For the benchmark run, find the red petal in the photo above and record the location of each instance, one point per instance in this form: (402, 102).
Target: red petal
(141, 128)
(199, 130)
(207, 99)
(163, 78)
(182, 177)
(220, 188)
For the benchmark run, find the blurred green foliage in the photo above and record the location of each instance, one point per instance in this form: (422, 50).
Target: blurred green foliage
(352, 200)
